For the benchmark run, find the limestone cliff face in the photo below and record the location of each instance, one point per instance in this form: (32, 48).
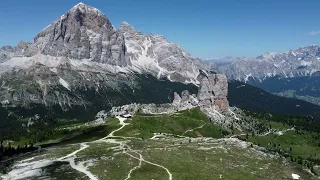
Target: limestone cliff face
(82, 60)
(213, 92)
(84, 33)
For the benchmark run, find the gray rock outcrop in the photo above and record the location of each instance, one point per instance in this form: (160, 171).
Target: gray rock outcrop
(81, 56)
(155, 54)
(177, 99)
(212, 94)
(83, 33)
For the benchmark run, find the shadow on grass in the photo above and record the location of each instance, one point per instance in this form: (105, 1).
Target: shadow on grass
(87, 135)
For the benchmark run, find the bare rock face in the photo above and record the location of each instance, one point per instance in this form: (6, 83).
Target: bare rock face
(213, 92)
(83, 33)
(177, 99)
(81, 54)
(185, 95)
(155, 54)
(303, 61)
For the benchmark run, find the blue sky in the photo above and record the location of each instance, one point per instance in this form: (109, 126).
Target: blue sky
(205, 28)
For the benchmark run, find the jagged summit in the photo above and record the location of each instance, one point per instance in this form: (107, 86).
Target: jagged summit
(82, 49)
(303, 61)
(83, 32)
(128, 30)
(125, 23)
(82, 6)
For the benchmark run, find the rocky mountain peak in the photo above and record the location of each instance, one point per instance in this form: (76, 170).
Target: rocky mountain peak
(80, 15)
(80, 5)
(128, 30)
(303, 61)
(84, 40)
(126, 25)
(83, 33)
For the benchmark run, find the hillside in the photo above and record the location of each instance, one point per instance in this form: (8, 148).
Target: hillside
(251, 98)
(192, 149)
(305, 88)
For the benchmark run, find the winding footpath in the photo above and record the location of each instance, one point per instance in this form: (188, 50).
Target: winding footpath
(134, 168)
(27, 169)
(190, 130)
(80, 166)
(141, 159)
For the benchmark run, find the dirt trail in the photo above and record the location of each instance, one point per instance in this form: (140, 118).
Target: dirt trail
(190, 130)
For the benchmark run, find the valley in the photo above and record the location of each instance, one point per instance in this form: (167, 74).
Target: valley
(89, 100)
(135, 149)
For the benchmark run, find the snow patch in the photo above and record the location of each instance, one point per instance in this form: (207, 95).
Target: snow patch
(25, 170)
(5, 102)
(240, 86)
(64, 83)
(247, 77)
(295, 176)
(305, 63)
(54, 70)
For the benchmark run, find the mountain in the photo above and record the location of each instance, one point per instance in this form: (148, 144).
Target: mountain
(225, 60)
(84, 38)
(6, 52)
(304, 61)
(293, 74)
(251, 98)
(306, 88)
(82, 60)
(80, 63)
(153, 53)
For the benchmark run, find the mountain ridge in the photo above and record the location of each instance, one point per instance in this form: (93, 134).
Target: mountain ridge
(127, 63)
(304, 61)
(72, 37)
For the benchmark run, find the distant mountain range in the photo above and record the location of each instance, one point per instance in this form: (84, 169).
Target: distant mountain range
(304, 61)
(224, 61)
(293, 74)
(82, 61)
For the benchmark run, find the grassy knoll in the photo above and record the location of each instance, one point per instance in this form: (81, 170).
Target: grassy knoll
(80, 133)
(300, 146)
(143, 126)
(214, 160)
(185, 160)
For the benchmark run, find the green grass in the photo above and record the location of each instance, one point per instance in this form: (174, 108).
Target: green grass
(143, 126)
(62, 170)
(184, 159)
(108, 163)
(277, 125)
(300, 146)
(83, 134)
(189, 161)
(195, 160)
(291, 142)
(147, 172)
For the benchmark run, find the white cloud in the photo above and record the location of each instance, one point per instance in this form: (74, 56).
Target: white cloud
(314, 33)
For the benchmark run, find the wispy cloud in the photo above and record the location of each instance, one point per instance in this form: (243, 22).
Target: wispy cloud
(314, 33)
